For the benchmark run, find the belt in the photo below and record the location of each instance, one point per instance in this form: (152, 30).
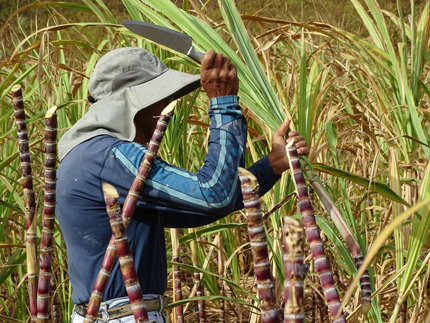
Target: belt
(123, 310)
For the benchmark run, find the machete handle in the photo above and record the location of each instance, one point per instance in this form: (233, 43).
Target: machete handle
(195, 55)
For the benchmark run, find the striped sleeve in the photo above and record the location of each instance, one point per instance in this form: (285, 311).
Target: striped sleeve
(215, 188)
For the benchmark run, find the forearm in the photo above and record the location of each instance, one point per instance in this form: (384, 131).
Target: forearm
(265, 175)
(266, 178)
(228, 130)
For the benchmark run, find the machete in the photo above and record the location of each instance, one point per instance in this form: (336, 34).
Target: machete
(164, 36)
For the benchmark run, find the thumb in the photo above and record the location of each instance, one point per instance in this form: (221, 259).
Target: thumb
(283, 128)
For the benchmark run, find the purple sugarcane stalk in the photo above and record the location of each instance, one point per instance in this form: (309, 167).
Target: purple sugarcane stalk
(313, 235)
(56, 313)
(183, 251)
(100, 283)
(49, 198)
(126, 262)
(347, 235)
(177, 275)
(221, 281)
(260, 252)
(197, 281)
(127, 211)
(403, 312)
(200, 293)
(29, 199)
(294, 271)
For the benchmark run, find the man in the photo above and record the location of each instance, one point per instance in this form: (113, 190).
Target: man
(130, 87)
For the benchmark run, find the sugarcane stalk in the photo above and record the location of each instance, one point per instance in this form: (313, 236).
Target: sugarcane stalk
(127, 211)
(403, 312)
(177, 290)
(186, 276)
(146, 164)
(200, 293)
(45, 256)
(294, 271)
(313, 235)
(221, 281)
(260, 252)
(197, 280)
(126, 262)
(100, 283)
(29, 199)
(314, 306)
(346, 234)
(56, 307)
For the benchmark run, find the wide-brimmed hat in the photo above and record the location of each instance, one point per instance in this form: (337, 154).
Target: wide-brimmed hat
(141, 71)
(125, 81)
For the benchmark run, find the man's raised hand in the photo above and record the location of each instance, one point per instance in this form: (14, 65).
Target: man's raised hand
(218, 76)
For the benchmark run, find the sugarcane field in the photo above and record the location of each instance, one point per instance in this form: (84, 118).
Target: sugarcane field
(215, 161)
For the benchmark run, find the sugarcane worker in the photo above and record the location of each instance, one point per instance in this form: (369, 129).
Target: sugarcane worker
(129, 88)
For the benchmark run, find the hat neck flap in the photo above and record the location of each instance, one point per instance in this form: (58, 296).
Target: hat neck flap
(112, 116)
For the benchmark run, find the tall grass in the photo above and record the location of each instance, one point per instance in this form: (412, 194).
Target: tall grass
(361, 103)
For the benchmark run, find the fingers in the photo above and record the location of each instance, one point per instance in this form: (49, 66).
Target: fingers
(232, 71)
(228, 71)
(218, 61)
(303, 151)
(301, 145)
(226, 63)
(224, 69)
(283, 128)
(218, 76)
(299, 141)
(297, 138)
(208, 60)
(213, 60)
(293, 134)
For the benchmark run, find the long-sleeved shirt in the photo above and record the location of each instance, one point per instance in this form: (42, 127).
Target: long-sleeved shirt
(171, 197)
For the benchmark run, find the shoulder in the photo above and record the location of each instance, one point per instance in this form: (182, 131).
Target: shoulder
(92, 151)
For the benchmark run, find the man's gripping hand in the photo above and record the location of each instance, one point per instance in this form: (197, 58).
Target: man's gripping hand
(278, 157)
(217, 76)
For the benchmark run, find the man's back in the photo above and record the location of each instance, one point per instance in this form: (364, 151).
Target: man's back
(84, 223)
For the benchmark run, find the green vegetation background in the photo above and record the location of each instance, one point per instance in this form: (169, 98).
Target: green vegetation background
(356, 85)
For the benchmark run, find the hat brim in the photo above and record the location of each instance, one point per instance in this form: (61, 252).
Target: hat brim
(171, 83)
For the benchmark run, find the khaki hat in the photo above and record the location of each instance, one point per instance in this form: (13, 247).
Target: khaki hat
(141, 71)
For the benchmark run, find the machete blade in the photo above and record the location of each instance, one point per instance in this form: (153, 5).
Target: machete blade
(164, 36)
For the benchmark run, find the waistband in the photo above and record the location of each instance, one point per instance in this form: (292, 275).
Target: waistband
(116, 312)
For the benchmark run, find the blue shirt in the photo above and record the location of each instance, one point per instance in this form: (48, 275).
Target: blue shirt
(171, 197)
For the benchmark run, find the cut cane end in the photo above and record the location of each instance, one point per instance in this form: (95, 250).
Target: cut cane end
(169, 108)
(289, 144)
(109, 190)
(51, 112)
(291, 222)
(16, 88)
(246, 173)
(365, 307)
